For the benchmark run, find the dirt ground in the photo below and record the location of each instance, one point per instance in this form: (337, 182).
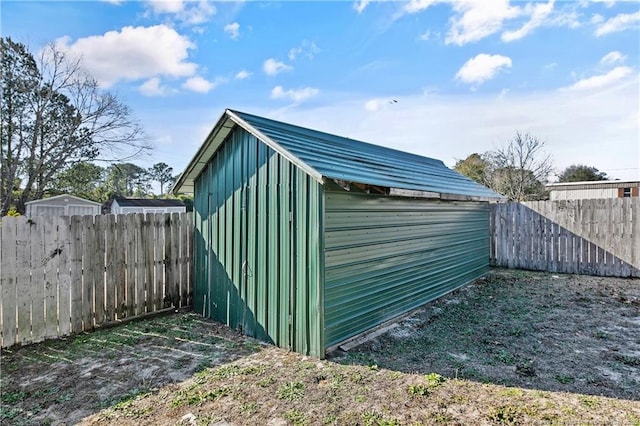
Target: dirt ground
(516, 348)
(568, 333)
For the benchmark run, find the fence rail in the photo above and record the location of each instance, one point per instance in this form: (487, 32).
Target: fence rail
(594, 237)
(63, 275)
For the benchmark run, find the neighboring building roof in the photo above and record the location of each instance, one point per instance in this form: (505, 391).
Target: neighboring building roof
(326, 156)
(148, 202)
(596, 184)
(63, 197)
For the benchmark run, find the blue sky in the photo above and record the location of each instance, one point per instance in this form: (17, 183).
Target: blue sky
(465, 75)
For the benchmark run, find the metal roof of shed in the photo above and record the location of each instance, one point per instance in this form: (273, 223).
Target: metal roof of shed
(326, 156)
(148, 202)
(64, 197)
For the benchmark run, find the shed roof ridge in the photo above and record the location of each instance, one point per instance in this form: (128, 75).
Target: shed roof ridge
(351, 141)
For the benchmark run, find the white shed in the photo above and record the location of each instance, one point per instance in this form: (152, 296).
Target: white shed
(146, 205)
(63, 205)
(593, 189)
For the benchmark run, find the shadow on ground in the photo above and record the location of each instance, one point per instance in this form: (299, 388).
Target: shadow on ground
(526, 329)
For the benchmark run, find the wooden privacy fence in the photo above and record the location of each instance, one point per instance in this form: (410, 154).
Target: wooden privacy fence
(63, 275)
(595, 237)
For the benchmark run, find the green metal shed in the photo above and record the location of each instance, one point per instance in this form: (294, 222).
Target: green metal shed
(305, 239)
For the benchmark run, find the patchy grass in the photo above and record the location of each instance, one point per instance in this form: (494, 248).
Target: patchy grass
(516, 349)
(67, 379)
(566, 333)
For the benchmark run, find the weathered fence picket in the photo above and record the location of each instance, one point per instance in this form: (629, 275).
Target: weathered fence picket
(595, 237)
(63, 275)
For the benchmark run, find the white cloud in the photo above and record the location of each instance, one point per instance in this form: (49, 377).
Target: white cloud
(599, 81)
(186, 11)
(307, 49)
(152, 87)
(373, 104)
(539, 13)
(133, 53)
(361, 5)
(273, 67)
(114, 2)
(476, 20)
(201, 85)
(243, 74)
(607, 3)
(166, 6)
(621, 22)
(482, 67)
(296, 95)
(596, 18)
(613, 58)
(415, 6)
(425, 36)
(233, 30)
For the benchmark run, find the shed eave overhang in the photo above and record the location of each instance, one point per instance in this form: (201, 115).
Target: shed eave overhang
(217, 136)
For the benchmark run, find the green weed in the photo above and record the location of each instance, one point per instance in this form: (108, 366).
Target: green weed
(589, 401)
(506, 415)
(8, 413)
(12, 397)
(375, 419)
(195, 397)
(249, 408)
(291, 391)
(418, 390)
(434, 380)
(265, 382)
(565, 379)
(296, 417)
(512, 392)
(65, 397)
(505, 357)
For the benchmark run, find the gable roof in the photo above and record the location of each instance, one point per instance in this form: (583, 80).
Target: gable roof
(148, 202)
(326, 156)
(63, 196)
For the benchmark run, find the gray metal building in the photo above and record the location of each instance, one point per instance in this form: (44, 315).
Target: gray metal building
(305, 239)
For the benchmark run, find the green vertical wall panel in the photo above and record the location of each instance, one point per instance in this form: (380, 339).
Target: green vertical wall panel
(252, 231)
(385, 256)
(199, 243)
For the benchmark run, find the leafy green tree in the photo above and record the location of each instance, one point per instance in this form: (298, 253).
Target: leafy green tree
(476, 167)
(161, 173)
(127, 180)
(53, 116)
(581, 173)
(82, 179)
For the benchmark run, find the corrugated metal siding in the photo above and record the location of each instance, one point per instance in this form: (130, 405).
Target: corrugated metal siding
(61, 210)
(385, 256)
(342, 158)
(583, 194)
(257, 245)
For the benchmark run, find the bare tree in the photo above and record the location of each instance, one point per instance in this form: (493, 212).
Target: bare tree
(55, 115)
(521, 168)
